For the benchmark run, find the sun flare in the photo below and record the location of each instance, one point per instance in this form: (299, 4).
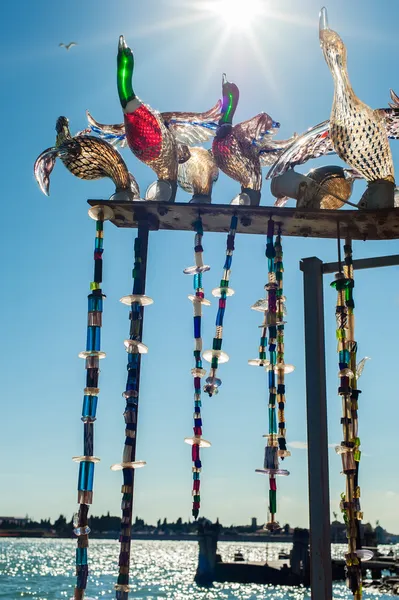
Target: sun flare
(237, 14)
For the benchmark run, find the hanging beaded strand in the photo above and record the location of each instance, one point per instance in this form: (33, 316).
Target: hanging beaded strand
(135, 348)
(282, 368)
(216, 355)
(197, 372)
(349, 448)
(273, 310)
(92, 356)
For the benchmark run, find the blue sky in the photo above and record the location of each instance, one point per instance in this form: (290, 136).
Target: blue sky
(46, 267)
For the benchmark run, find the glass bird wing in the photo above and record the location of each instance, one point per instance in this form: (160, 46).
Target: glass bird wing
(257, 131)
(43, 167)
(391, 116)
(313, 143)
(360, 366)
(275, 148)
(193, 128)
(114, 134)
(394, 98)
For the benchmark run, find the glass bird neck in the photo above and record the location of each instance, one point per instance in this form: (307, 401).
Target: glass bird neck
(124, 79)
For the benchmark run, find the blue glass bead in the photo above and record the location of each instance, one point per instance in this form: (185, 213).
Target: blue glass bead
(344, 356)
(272, 379)
(99, 243)
(196, 475)
(223, 294)
(198, 464)
(128, 476)
(89, 406)
(219, 317)
(272, 355)
(272, 331)
(93, 338)
(198, 422)
(86, 476)
(229, 260)
(270, 265)
(281, 388)
(197, 327)
(263, 341)
(95, 303)
(343, 365)
(81, 556)
(197, 280)
(198, 403)
(234, 222)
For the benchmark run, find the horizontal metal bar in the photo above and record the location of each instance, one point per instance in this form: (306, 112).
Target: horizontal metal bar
(365, 263)
(381, 224)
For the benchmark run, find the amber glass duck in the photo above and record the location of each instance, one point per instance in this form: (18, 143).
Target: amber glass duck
(86, 157)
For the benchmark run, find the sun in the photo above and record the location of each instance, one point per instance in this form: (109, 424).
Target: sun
(237, 14)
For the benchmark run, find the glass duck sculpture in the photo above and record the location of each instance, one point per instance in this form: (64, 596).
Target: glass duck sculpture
(86, 157)
(154, 137)
(198, 173)
(356, 132)
(241, 150)
(197, 170)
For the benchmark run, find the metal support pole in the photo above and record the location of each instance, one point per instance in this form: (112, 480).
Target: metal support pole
(366, 263)
(316, 411)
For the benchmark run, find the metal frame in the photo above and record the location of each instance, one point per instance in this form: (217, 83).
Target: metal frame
(365, 224)
(316, 411)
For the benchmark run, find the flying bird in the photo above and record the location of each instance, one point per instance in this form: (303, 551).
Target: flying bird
(67, 46)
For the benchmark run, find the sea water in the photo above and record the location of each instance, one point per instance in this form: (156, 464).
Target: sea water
(44, 570)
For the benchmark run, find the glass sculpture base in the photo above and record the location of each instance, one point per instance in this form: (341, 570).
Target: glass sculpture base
(159, 191)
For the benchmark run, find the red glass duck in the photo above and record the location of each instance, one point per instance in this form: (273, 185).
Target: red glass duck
(241, 150)
(154, 137)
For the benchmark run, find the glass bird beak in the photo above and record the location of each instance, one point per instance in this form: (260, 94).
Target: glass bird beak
(323, 20)
(122, 46)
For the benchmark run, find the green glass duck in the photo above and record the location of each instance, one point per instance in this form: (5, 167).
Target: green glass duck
(154, 137)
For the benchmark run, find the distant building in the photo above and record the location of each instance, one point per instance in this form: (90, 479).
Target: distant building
(14, 521)
(254, 524)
